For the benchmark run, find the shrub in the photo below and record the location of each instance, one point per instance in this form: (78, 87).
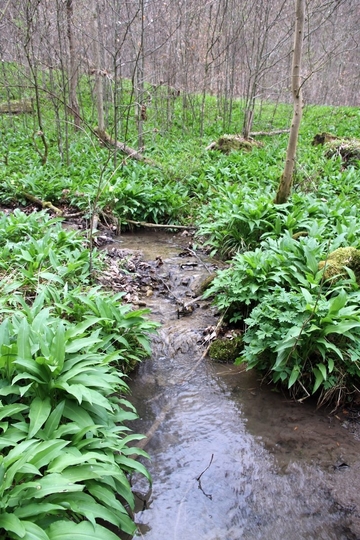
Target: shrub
(65, 454)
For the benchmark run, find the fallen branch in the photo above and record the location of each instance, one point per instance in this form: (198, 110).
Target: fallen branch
(43, 204)
(269, 133)
(156, 226)
(134, 154)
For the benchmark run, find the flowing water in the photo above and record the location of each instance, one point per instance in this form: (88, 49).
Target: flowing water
(231, 459)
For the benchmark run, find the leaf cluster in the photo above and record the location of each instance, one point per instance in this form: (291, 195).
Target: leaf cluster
(300, 330)
(66, 452)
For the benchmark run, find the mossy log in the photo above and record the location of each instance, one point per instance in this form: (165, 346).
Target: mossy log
(22, 106)
(43, 204)
(228, 143)
(345, 147)
(334, 266)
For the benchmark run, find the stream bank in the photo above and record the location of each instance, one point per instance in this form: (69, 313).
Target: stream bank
(230, 458)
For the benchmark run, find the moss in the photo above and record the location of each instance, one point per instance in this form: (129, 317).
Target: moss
(339, 259)
(227, 143)
(225, 350)
(16, 107)
(347, 149)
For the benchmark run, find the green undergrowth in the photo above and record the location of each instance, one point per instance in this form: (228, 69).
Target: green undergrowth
(67, 454)
(228, 197)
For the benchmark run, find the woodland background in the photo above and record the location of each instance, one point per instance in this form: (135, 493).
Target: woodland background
(174, 50)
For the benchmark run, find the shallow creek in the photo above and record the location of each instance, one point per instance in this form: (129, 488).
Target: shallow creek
(231, 459)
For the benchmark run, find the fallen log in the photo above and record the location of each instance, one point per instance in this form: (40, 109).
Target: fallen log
(106, 139)
(19, 106)
(43, 204)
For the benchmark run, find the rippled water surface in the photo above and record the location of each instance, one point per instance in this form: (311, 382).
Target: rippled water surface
(230, 459)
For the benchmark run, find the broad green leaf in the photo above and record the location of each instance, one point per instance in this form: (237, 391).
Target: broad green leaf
(32, 371)
(81, 343)
(322, 369)
(49, 276)
(341, 327)
(330, 365)
(294, 376)
(28, 468)
(46, 451)
(41, 320)
(311, 260)
(105, 496)
(65, 460)
(52, 483)
(79, 391)
(338, 302)
(145, 343)
(38, 414)
(79, 473)
(83, 504)
(80, 328)
(68, 530)
(11, 523)
(4, 332)
(308, 297)
(330, 347)
(36, 509)
(26, 256)
(318, 379)
(34, 532)
(19, 450)
(23, 341)
(11, 410)
(57, 348)
(133, 465)
(53, 421)
(77, 414)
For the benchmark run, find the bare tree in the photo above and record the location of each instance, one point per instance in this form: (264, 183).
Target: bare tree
(296, 88)
(73, 68)
(99, 88)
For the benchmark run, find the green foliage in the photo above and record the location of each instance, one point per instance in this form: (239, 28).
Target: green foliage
(305, 340)
(300, 330)
(36, 249)
(120, 329)
(66, 452)
(236, 219)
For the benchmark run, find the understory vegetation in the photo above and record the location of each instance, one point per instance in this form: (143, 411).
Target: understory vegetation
(65, 343)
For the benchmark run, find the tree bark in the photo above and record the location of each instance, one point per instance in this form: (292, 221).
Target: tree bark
(99, 90)
(73, 75)
(285, 185)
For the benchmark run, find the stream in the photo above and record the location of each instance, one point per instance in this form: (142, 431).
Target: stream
(230, 458)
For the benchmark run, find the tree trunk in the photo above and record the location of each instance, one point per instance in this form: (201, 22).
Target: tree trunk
(99, 90)
(284, 188)
(73, 75)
